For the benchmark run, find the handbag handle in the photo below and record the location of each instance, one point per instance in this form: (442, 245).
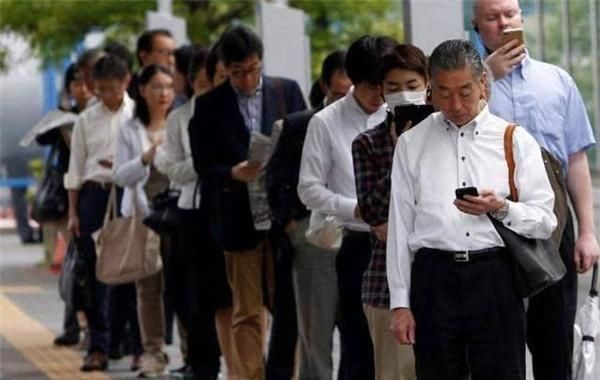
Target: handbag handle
(111, 209)
(510, 161)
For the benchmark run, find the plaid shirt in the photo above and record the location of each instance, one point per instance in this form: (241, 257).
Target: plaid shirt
(372, 152)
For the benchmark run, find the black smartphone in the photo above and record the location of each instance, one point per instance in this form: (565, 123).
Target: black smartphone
(411, 112)
(462, 191)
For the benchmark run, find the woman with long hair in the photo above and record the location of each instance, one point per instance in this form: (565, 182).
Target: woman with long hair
(137, 144)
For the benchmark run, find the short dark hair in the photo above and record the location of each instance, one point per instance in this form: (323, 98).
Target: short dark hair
(89, 57)
(238, 43)
(316, 95)
(455, 55)
(407, 57)
(121, 51)
(141, 110)
(70, 76)
(110, 67)
(183, 58)
(332, 63)
(363, 59)
(197, 63)
(211, 62)
(145, 41)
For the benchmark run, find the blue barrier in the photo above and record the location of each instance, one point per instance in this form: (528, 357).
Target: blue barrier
(17, 182)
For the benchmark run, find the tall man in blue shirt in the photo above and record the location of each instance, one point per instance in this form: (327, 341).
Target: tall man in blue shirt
(544, 100)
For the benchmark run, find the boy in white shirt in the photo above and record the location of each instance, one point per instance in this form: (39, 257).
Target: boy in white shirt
(89, 181)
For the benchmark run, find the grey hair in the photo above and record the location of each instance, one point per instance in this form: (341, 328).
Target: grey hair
(455, 55)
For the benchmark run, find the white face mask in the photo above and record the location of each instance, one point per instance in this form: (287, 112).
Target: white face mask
(404, 97)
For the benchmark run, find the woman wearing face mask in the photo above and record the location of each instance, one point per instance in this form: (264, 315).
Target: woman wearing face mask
(404, 81)
(135, 171)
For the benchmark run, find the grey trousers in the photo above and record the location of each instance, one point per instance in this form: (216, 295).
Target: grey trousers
(315, 287)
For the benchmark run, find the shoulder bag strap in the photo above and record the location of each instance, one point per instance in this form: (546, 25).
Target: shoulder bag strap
(510, 161)
(111, 207)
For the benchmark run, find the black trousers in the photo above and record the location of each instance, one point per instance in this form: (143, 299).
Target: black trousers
(550, 319)
(91, 208)
(284, 330)
(208, 281)
(470, 320)
(122, 314)
(357, 349)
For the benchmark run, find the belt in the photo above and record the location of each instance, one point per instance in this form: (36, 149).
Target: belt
(463, 256)
(356, 234)
(97, 185)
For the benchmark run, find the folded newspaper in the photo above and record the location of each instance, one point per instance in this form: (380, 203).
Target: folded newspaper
(260, 150)
(262, 147)
(51, 120)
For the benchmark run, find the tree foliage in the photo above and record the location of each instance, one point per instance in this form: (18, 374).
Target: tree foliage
(54, 27)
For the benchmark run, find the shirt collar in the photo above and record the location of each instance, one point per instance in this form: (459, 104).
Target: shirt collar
(523, 68)
(125, 103)
(256, 92)
(472, 126)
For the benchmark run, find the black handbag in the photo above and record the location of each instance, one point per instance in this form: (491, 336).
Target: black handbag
(51, 201)
(165, 217)
(537, 262)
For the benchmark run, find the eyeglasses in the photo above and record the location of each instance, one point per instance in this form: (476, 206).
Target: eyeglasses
(158, 88)
(165, 52)
(242, 73)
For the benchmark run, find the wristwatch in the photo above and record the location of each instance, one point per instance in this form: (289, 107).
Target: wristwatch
(501, 213)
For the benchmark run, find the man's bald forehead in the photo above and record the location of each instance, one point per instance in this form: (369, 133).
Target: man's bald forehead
(478, 4)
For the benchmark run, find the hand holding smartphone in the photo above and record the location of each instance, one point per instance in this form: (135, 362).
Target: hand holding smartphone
(462, 191)
(411, 112)
(513, 34)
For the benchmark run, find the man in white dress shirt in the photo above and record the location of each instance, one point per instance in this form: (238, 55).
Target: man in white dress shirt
(326, 184)
(450, 278)
(89, 180)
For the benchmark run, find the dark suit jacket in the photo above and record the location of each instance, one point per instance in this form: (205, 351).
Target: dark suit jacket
(219, 140)
(284, 168)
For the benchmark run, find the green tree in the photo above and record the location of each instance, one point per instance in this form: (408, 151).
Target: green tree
(53, 27)
(335, 24)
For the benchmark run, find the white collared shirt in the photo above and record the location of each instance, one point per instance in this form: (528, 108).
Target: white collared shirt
(430, 162)
(174, 157)
(94, 138)
(326, 183)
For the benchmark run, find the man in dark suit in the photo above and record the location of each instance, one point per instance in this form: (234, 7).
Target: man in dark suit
(314, 280)
(224, 119)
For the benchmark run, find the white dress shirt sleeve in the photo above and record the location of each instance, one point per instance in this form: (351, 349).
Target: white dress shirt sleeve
(129, 169)
(74, 177)
(314, 171)
(171, 158)
(532, 216)
(400, 225)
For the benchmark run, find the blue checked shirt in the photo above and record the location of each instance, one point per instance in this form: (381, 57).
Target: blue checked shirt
(544, 100)
(251, 108)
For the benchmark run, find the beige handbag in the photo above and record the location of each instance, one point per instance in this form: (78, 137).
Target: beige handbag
(127, 250)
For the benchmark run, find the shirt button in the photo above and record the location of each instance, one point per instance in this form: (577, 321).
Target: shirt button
(462, 134)
(463, 158)
(508, 223)
(468, 234)
(464, 184)
(477, 132)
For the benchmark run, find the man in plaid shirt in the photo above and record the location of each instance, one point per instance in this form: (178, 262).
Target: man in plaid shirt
(404, 73)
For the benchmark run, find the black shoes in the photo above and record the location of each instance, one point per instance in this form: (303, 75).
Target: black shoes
(66, 340)
(96, 361)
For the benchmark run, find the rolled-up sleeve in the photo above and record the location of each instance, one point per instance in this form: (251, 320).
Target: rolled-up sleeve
(73, 179)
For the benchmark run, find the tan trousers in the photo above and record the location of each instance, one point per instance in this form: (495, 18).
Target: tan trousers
(151, 314)
(393, 361)
(245, 271)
